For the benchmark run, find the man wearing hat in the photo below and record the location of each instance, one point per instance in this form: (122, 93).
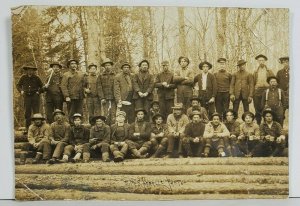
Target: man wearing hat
(30, 86)
(155, 109)
(123, 91)
(192, 140)
(105, 87)
(223, 79)
(92, 98)
(59, 136)
(119, 135)
(79, 141)
(214, 133)
(159, 135)
(54, 96)
(139, 135)
(241, 87)
(39, 138)
(72, 86)
(165, 89)
(196, 106)
(100, 137)
(260, 76)
(274, 98)
(176, 123)
(207, 87)
(184, 79)
(143, 85)
(283, 76)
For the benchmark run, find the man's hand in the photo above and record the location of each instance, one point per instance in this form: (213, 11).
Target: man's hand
(103, 101)
(146, 94)
(68, 99)
(36, 145)
(272, 138)
(87, 90)
(136, 134)
(232, 98)
(249, 100)
(212, 100)
(46, 86)
(22, 92)
(241, 137)
(164, 84)
(196, 139)
(93, 147)
(141, 94)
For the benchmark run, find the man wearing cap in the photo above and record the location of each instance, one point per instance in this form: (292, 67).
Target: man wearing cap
(30, 86)
(274, 98)
(165, 89)
(184, 79)
(192, 140)
(143, 85)
(59, 136)
(155, 109)
(39, 138)
(105, 87)
(176, 123)
(54, 96)
(196, 106)
(79, 141)
(207, 87)
(241, 87)
(100, 137)
(159, 135)
(283, 77)
(223, 79)
(260, 76)
(139, 135)
(72, 86)
(123, 91)
(92, 98)
(119, 134)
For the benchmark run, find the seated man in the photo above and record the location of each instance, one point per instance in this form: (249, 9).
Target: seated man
(119, 134)
(139, 135)
(154, 109)
(192, 141)
(249, 136)
(39, 140)
(159, 135)
(195, 101)
(60, 135)
(176, 123)
(214, 134)
(79, 141)
(100, 137)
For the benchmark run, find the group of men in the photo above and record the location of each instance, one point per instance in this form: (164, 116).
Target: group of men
(128, 122)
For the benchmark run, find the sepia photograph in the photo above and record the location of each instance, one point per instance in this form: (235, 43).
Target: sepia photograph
(150, 103)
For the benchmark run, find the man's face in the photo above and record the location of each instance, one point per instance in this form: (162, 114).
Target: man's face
(205, 68)
(107, 67)
(229, 116)
(196, 118)
(77, 121)
(268, 117)
(248, 119)
(58, 117)
(177, 112)
(30, 72)
(183, 63)
(126, 69)
(159, 120)
(195, 103)
(165, 67)
(56, 68)
(73, 65)
(216, 120)
(92, 70)
(261, 61)
(38, 122)
(155, 107)
(140, 115)
(222, 65)
(242, 67)
(144, 67)
(120, 119)
(286, 63)
(273, 83)
(99, 123)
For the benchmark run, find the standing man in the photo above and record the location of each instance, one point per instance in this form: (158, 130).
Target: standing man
(260, 84)
(105, 87)
(241, 87)
(207, 87)
(54, 96)
(72, 86)
(223, 79)
(283, 77)
(184, 78)
(166, 94)
(29, 86)
(143, 85)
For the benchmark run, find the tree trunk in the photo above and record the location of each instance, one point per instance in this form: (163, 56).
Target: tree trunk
(182, 39)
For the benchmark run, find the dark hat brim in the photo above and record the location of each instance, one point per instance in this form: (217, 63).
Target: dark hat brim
(203, 63)
(94, 119)
(246, 114)
(283, 58)
(125, 64)
(241, 63)
(270, 78)
(58, 64)
(195, 98)
(35, 118)
(221, 60)
(214, 115)
(268, 112)
(108, 62)
(154, 102)
(92, 65)
(182, 57)
(140, 64)
(261, 56)
(156, 116)
(139, 110)
(29, 67)
(58, 112)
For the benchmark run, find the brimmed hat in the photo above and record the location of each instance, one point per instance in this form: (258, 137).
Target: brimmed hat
(195, 98)
(58, 111)
(230, 110)
(268, 111)
(71, 60)
(92, 65)
(182, 57)
(215, 114)
(272, 77)
(196, 112)
(94, 119)
(221, 60)
(144, 60)
(140, 109)
(203, 63)
(164, 63)
(55, 63)
(77, 115)
(107, 60)
(125, 64)
(178, 106)
(241, 62)
(261, 56)
(27, 67)
(154, 102)
(248, 114)
(156, 116)
(37, 116)
(283, 59)
(121, 113)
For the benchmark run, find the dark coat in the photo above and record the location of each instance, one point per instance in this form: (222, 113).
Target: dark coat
(144, 130)
(143, 85)
(30, 85)
(211, 84)
(163, 92)
(79, 135)
(102, 134)
(283, 77)
(255, 75)
(242, 83)
(122, 90)
(194, 130)
(113, 131)
(73, 85)
(105, 85)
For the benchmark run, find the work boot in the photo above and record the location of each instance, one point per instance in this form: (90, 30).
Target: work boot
(76, 158)
(23, 158)
(51, 161)
(158, 152)
(143, 150)
(118, 156)
(221, 152)
(65, 159)
(37, 158)
(86, 157)
(136, 153)
(105, 157)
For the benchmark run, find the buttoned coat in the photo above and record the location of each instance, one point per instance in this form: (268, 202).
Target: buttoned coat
(242, 83)
(143, 85)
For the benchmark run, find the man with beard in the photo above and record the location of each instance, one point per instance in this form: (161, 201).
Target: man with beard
(274, 98)
(184, 78)
(100, 137)
(159, 135)
(139, 135)
(176, 123)
(72, 86)
(192, 141)
(165, 89)
(123, 91)
(143, 85)
(30, 86)
(196, 106)
(223, 79)
(260, 84)
(105, 87)
(60, 135)
(119, 134)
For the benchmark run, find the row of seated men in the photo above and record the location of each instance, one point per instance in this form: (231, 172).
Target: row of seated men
(181, 136)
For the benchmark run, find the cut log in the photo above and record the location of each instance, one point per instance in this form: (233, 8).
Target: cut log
(20, 136)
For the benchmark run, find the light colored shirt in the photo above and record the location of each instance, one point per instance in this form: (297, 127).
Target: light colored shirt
(177, 125)
(261, 78)
(204, 81)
